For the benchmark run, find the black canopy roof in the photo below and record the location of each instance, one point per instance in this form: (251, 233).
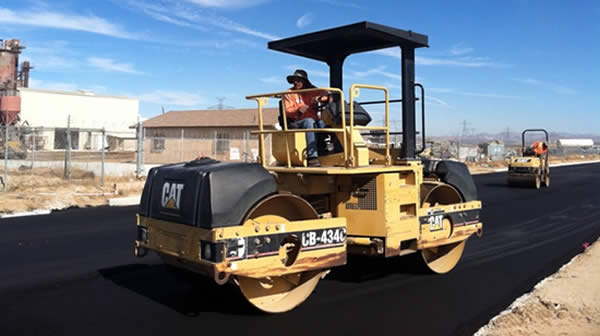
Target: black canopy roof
(340, 42)
(332, 46)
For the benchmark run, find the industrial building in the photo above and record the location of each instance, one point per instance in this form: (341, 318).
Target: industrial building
(582, 143)
(494, 150)
(46, 114)
(82, 112)
(178, 136)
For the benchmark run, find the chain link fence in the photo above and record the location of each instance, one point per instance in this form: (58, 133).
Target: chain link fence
(162, 146)
(31, 155)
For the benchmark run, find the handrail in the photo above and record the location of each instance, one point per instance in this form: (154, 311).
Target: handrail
(355, 92)
(422, 117)
(399, 100)
(300, 130)
(263, 99)
(534, 130)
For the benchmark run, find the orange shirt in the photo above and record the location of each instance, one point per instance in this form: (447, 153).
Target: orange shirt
(293, 101)
(539, 148)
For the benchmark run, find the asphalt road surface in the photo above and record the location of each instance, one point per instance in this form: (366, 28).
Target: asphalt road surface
(73, 273)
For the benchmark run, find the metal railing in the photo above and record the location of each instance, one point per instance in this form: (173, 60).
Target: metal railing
(69, 153)
(346, 130)
(263, 99)
(355, 93)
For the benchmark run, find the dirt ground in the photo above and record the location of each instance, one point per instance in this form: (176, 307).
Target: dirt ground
(45, 188)
(567, 303)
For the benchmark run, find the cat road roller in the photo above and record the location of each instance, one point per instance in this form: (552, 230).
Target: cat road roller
(530, 169)
(276, 229)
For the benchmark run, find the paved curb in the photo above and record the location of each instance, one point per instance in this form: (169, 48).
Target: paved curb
(26, 213)
(124, 201)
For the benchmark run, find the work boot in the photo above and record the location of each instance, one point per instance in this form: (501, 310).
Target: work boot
(314, 162)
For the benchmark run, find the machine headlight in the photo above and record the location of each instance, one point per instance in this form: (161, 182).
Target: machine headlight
(212, 252)
(142, 234)
(207, 251)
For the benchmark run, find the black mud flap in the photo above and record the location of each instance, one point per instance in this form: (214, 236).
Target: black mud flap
(205, 193)
(454, 173)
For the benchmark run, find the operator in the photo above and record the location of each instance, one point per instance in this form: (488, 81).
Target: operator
(300, 110)
(539, 148)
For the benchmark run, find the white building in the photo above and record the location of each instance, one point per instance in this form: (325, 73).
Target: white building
(575, 143)
(85, 110)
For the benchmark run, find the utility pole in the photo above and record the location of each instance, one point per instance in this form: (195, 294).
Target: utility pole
(464, 132)
(68, 150)
(465, 128)
(507, 135)
(220, 105)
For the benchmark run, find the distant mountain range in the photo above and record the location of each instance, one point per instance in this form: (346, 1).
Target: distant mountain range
(514, 138)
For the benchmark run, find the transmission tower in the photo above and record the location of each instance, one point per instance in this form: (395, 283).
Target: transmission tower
(220, 105)
(507, 135)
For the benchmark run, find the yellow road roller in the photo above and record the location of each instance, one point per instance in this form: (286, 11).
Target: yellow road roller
(531, 169)
(275, 229)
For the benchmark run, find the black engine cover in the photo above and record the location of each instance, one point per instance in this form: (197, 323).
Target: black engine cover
(205, 193)
(454, 173)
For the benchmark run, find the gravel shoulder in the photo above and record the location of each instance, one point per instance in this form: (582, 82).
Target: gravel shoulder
(566, 303)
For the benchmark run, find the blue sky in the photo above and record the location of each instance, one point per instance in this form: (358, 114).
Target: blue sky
(496, 64)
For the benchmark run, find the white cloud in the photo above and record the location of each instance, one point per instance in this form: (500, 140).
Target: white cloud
(187, 16)
(227, 24)
(50, 85)
(488, 95)
(435, 100)
(376, 71)
(459, 50)
(50, 55)
(340, 3)
(110, 65)
(49, 62)
(550, 86)
(441, 90)
(168, 19)
(165, 97)
(471, 94)
(529, 81)
(49, 19)
(304, 20)
(272, 80)
(460, 62)
(227, 3)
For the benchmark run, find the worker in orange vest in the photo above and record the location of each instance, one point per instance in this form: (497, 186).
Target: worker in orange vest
(539, 147)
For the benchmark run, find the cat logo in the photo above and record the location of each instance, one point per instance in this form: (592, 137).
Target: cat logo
(171, 195)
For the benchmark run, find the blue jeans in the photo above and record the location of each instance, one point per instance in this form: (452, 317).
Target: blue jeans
(311, 139)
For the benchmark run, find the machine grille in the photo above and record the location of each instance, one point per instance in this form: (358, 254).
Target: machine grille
(365, 191)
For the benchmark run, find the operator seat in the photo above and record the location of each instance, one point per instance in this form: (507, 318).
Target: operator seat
(361, 116)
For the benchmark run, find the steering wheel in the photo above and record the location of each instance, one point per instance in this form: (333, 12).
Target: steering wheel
(321, 102)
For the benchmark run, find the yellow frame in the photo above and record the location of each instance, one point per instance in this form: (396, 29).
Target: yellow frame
(263, 99)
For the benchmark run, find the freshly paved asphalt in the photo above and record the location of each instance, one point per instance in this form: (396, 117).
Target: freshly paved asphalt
(73, 273)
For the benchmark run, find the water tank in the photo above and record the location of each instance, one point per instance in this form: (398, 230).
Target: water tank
(10, 106)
